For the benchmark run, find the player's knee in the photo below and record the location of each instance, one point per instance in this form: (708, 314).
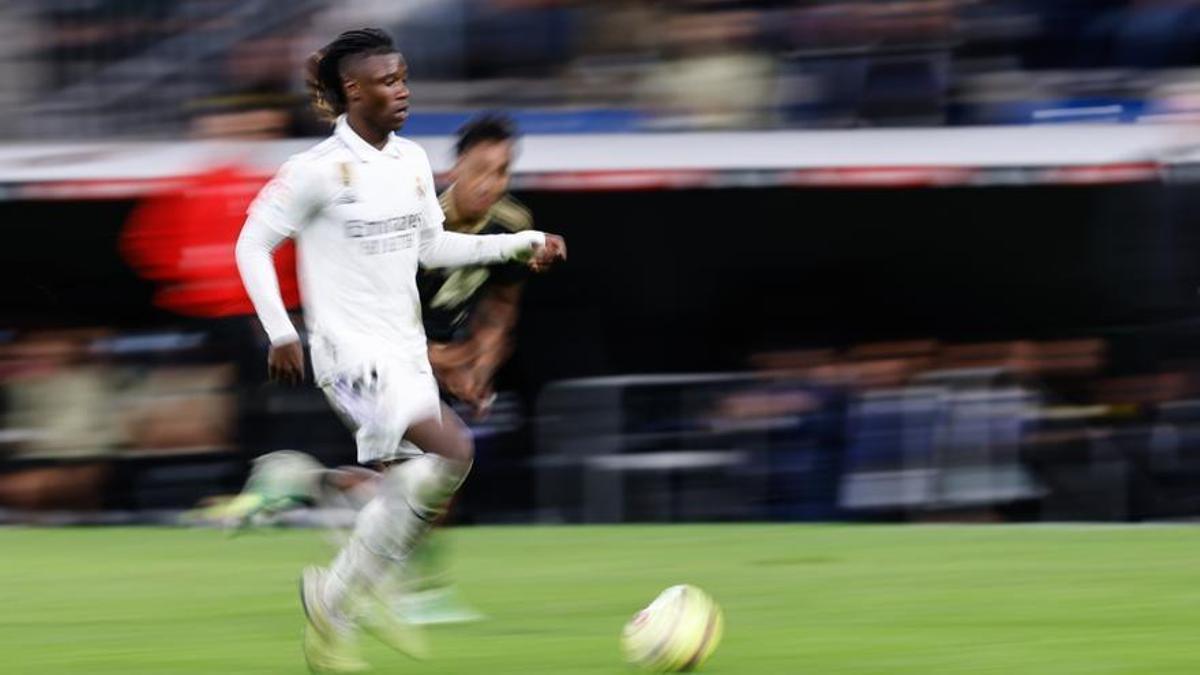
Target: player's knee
(461, 446)
(448, 438)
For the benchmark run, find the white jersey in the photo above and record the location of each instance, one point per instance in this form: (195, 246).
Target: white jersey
(363, 219)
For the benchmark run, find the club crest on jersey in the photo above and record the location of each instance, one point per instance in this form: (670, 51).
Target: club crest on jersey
(420, 188)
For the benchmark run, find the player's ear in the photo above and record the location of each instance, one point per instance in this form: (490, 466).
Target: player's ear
(353, 91)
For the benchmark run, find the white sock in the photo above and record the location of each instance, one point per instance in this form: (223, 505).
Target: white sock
(411, 498)
(428, 482)
(357, 566)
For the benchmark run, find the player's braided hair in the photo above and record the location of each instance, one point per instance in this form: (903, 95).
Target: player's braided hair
(483, 128)
(323, 71)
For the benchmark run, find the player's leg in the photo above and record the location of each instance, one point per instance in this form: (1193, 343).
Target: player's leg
(423, 594)
(285, 481)
(279, 481)
(449, 453)
(333, 598)
(428, 594)
(410, 495)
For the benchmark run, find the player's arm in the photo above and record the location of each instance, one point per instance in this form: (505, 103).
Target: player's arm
(465, 369)
(257, 242)
(282, 206)
(439, 248)
(492, 328)
(494, 320)
(497, 311)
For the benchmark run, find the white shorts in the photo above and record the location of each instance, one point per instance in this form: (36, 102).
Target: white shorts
(380, 405)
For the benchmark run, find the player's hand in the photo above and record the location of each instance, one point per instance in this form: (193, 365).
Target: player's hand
(285, 363)
(545, 256)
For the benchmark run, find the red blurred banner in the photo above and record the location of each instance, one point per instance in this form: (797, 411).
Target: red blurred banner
(183, 239)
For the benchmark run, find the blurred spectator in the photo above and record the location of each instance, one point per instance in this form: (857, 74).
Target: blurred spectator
(231, 69)
(260, 102)
(60, 423)
(710, 76)
(60, 399)
(181, 409)
(82, 408)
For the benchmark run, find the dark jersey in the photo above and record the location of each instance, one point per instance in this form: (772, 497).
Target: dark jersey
(449, 296)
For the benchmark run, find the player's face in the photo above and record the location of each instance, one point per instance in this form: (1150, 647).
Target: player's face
(377, 89)
(481, 177)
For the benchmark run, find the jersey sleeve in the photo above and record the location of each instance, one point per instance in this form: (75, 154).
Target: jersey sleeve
(255, 265)
(290, 200)
(282, 208)
(439, 248)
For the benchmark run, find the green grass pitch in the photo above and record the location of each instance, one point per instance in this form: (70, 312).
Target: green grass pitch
(798, 599)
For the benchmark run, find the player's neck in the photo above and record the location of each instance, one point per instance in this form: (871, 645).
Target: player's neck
(378, 138)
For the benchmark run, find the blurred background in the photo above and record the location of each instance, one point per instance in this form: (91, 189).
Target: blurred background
(892, 260)
(87, 69)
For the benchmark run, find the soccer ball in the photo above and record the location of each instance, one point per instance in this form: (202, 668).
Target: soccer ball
(675, 633)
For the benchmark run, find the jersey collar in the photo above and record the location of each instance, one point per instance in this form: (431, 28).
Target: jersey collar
(362, 149)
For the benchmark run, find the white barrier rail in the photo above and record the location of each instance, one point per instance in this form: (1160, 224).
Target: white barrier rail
(1067, 154)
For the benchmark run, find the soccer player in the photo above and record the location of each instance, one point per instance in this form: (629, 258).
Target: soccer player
(470, 312)
(362, 209)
